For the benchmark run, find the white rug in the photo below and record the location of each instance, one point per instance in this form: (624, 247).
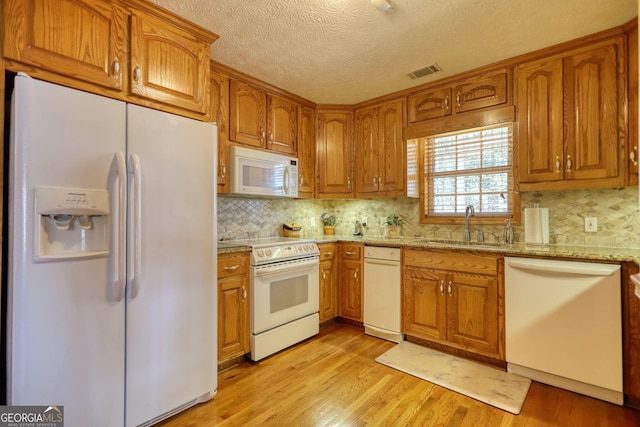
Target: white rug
(486, 384)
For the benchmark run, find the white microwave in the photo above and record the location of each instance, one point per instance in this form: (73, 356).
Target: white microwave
(261, 173)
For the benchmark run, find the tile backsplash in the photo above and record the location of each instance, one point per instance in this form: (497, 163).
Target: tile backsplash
(615, 209)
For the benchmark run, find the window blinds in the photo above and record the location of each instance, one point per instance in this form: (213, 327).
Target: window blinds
(473, 167)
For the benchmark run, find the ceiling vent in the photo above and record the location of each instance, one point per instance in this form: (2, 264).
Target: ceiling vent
(424, 71)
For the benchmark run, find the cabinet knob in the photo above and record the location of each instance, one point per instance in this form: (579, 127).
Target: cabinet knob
(349, 182)
(557, 163)
(223, 167)
(633, 156)
(449, 288)
(116, 69)
(137, 74)
(324, 275)
(441, 287)
(355, 274)
(262, 133)
(569, 164)
(244, 293)
(458, 99)
(446, 102)
(375, 181)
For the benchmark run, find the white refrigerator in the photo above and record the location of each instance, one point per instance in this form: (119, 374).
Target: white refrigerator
(111, 287)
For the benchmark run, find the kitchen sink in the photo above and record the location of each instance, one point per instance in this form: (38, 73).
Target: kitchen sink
(461, 243)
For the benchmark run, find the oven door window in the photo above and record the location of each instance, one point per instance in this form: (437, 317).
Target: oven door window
(288, 293)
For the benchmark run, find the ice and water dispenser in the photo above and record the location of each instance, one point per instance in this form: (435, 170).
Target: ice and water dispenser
(71, 223)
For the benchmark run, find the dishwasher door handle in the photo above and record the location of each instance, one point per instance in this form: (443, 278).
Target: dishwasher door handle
(381, 261)
(579, 271)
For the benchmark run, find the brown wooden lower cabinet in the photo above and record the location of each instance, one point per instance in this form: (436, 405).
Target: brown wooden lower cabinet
(328, 282)
(350, 272)
(455, 298)
(233, 306)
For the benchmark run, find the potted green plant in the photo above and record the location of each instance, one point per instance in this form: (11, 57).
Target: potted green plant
(329, 222)
(393, 225)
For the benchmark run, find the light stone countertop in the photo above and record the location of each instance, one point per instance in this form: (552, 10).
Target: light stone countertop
(591, 253)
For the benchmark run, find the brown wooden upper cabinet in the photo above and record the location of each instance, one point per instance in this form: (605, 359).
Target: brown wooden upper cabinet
(45, 34)
(570, 118)
(632, 73)
(486, 90)
(335, 154)
(380, 151)
(306, 152)
(262, 121)
(166, 63)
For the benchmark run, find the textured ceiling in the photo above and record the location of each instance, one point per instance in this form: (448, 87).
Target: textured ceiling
(346, 51)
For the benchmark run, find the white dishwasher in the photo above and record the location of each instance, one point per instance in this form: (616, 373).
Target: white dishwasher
(563, 325)
(382, 316)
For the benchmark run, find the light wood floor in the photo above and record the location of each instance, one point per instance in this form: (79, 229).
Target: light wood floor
(333, 380)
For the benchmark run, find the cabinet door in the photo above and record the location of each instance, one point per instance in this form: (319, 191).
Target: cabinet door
(335, 158)
(306, 152)
(351, 290)
(593, 89)
(81, 38)
(632, 73)
(429, 104)
(220, 115)
(424, 305)
(282, 125)
(392, 164)
(540, 120)
(366, 148)
(168, 64)
(472, 311)
(248, 114)
(481, 91)
(233, 326)
(328, 291)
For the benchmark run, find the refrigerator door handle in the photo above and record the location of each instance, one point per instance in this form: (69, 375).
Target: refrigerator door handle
(135, 278)
(119, 234)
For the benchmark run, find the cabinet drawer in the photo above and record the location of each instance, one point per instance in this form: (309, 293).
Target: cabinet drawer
(352, 251)
(464, 261)
(232, 265)
(327, 251)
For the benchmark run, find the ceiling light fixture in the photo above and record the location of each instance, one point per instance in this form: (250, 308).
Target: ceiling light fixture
(382, 5)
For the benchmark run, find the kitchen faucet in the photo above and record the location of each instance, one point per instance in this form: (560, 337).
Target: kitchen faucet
(467, 213)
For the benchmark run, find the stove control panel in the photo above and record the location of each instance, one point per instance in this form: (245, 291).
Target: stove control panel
(284, 252)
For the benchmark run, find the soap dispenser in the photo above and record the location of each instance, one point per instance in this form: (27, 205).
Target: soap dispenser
(508, 232)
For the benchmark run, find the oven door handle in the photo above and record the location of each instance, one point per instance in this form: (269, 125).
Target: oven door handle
(277, 269)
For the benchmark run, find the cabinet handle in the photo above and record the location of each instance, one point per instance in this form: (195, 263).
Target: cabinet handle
(349, 182)
(350, 253)
(632, 156)
(380, 179)
(301, 180)
(458, 99)
(557, 163)
(116, 69)
(324, 275)
(262, 134)
(446, 102)
(224, 170)
(569, 163)
(328, 253)
(232, 267)
(449, 288)
(137, 74)
(244, 293)
(355, 274)
(375, 180)
(441, 287)
(271, 137)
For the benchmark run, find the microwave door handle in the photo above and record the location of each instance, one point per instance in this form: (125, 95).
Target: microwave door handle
(285, 183)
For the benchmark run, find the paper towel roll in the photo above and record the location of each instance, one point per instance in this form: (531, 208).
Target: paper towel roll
(536, 225)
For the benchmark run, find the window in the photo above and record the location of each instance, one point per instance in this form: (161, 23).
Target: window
(472, 167)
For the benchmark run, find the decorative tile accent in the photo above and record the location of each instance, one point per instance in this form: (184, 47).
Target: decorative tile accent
(615, 209)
